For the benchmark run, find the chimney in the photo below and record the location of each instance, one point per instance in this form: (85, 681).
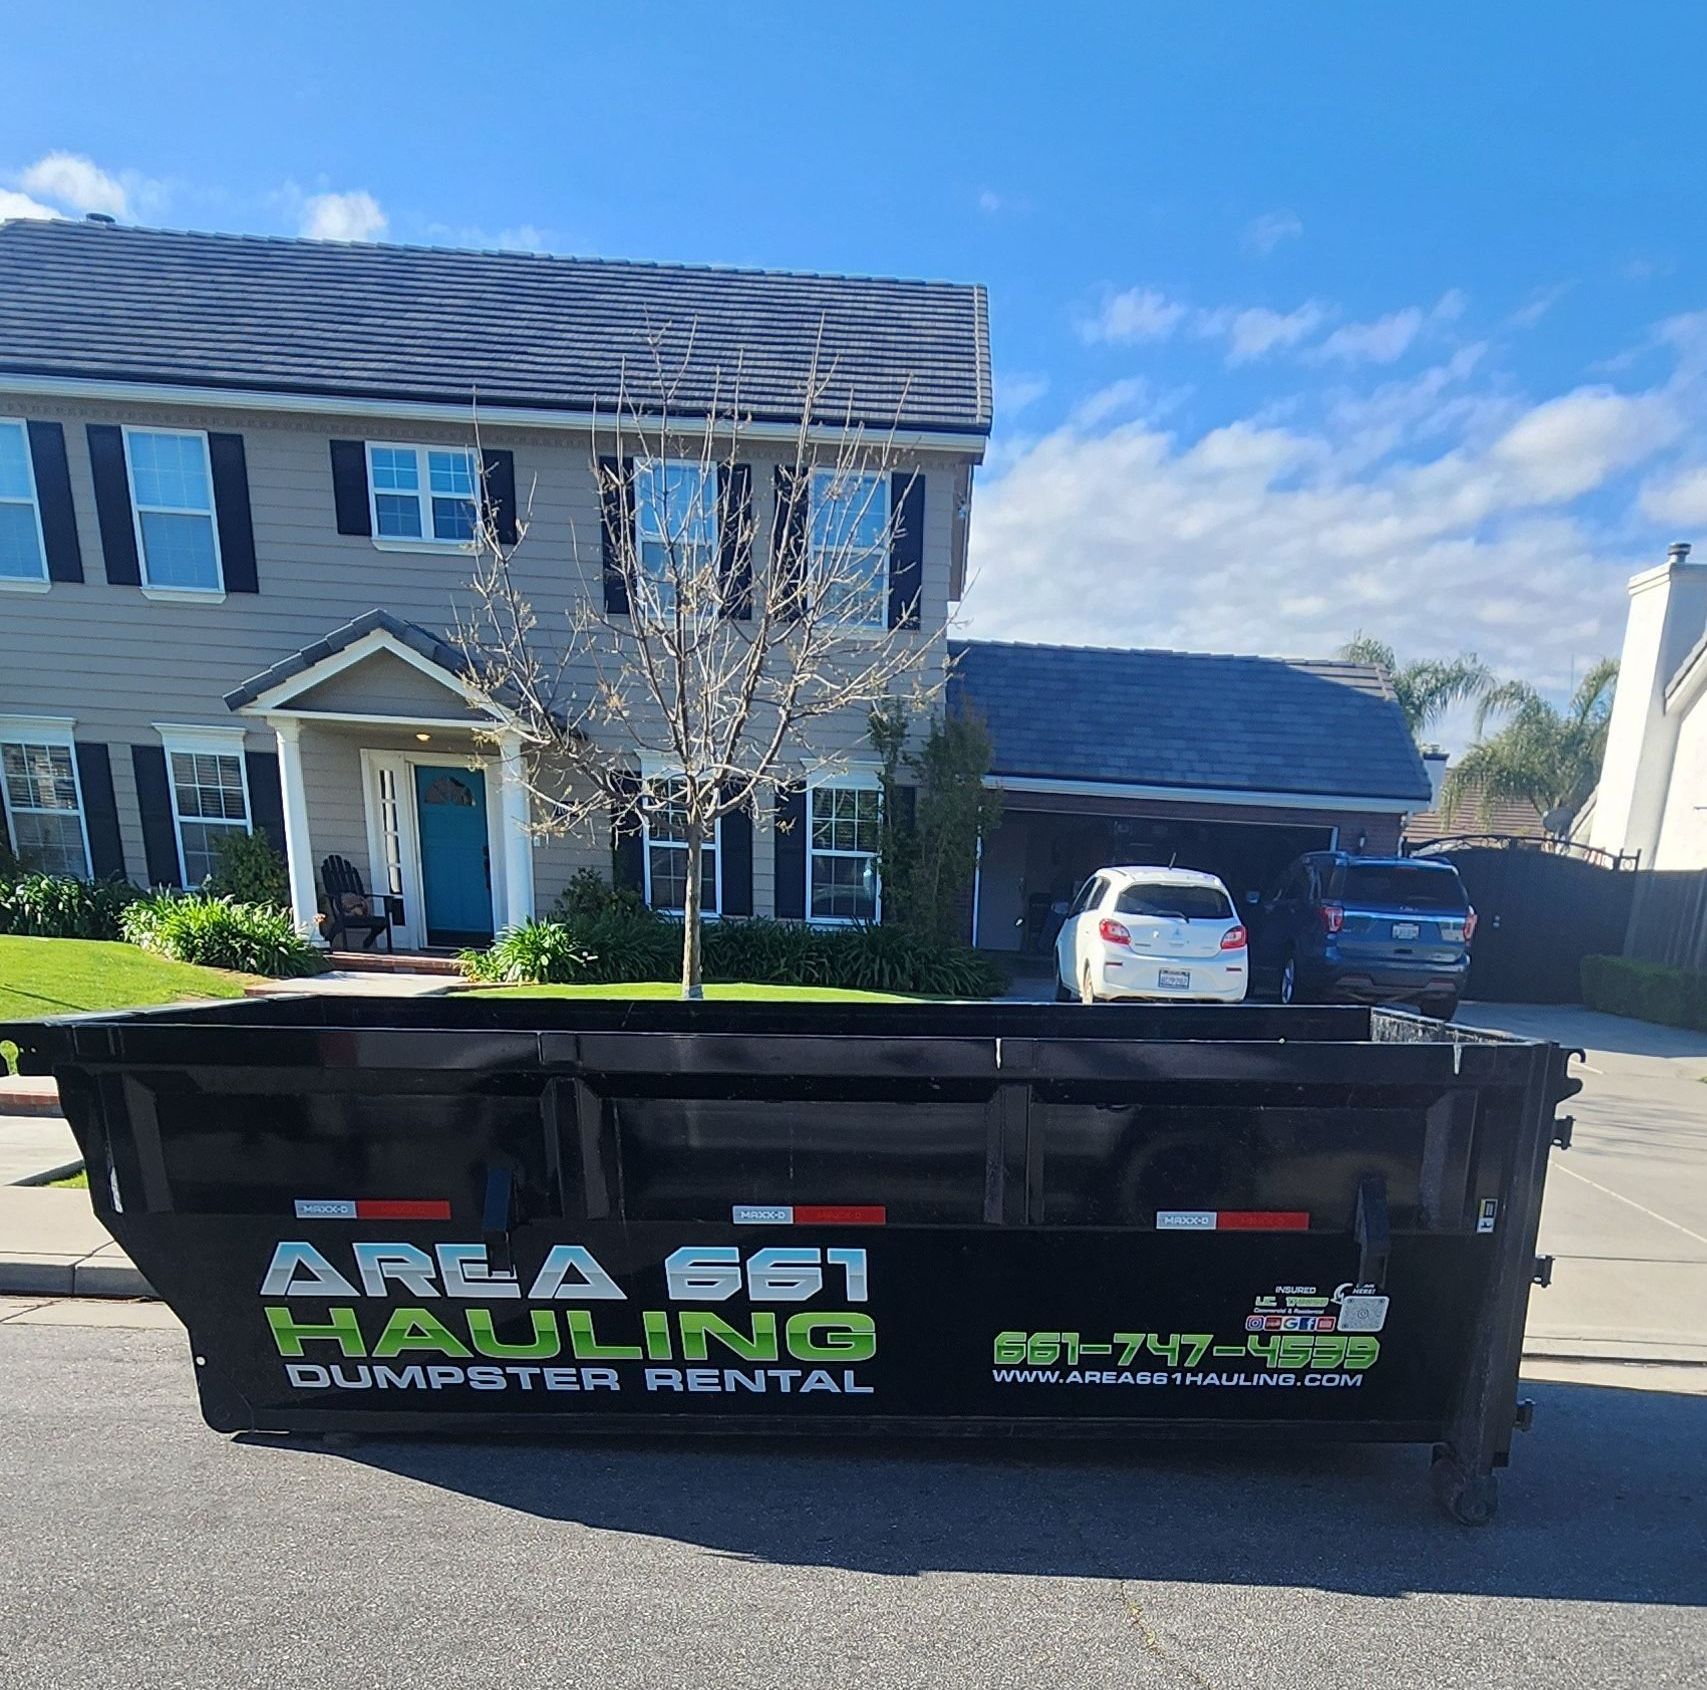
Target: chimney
(1434, 760)
(1667, 616)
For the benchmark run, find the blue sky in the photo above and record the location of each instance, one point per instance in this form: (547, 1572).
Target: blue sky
(1305, 317)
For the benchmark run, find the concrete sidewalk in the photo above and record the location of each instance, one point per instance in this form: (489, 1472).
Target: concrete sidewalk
(52, 1245)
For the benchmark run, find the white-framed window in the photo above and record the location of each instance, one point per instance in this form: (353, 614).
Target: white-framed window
(844, 824)
(675, 521)
(171, 496)
(429, 494)
(849, 531)
(23, 551)
(209, 783)
(664, 819)
(41, 794)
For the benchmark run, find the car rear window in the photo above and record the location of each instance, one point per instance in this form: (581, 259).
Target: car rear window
(1401, 886)
(1193, 903)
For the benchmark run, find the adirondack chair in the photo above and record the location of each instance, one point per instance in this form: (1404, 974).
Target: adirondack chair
(353, 910)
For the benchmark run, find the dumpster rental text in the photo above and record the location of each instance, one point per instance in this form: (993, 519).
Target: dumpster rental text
(410, 1346)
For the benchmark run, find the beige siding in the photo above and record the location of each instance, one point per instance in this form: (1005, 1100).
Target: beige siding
(118, 661)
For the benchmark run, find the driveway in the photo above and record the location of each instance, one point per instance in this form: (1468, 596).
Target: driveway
(1626, 1210)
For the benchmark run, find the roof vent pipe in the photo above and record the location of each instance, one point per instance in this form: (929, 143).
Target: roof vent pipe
(1679, 552)
(98, 217)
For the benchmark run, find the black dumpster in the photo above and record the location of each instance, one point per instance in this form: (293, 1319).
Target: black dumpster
(473, 1215)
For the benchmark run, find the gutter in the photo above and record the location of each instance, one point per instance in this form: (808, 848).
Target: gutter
(1364, 803)
(971, 443)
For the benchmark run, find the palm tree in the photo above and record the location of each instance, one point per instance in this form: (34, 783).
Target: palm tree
(1428, 688)
(1549, 756)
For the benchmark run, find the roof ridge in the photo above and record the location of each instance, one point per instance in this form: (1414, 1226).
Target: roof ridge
(60, 225)
(1336, 663)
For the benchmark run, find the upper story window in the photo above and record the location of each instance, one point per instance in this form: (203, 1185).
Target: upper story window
(675, 522)
(171, 493)
(850, 545)
(23, 555)
(427, 493)
(43, 803)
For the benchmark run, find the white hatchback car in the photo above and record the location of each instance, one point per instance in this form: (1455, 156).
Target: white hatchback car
(1140, 932)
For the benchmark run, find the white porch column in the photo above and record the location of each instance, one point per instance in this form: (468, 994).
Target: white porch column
(518, 843)
(304, 906)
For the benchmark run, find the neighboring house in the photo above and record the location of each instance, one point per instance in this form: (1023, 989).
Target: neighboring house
(236, 487)
(1651, 800)
(1231, 764)
(1509, 819)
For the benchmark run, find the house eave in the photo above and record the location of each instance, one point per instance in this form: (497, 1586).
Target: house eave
(1361, 803)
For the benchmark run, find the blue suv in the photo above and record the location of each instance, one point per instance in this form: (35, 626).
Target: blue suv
(1367, 929)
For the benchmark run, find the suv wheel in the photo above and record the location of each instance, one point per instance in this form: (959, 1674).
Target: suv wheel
(1289, 979)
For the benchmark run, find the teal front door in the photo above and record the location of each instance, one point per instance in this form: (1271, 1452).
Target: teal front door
(455, 872)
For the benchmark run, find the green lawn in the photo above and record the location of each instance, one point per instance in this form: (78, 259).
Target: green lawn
(62, 976)
(739, 992)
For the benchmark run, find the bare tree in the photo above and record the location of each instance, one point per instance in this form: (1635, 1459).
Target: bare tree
(711, 671)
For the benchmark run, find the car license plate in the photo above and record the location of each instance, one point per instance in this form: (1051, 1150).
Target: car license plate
(1173, 979)
(1405, 930)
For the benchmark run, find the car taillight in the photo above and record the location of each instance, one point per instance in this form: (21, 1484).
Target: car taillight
(1333, 917)
(1233, 939)
(1113, 933)
(1469, 926)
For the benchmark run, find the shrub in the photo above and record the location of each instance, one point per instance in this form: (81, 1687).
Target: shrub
(609, 949)
(218, 933)
(248, 870)
(59, 906)
(590, 894)
(1646, 991)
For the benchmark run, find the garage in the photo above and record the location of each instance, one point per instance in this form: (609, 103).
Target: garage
(1234, 765)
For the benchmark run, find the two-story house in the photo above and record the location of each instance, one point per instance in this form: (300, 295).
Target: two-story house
(237, 486)
(237, 481)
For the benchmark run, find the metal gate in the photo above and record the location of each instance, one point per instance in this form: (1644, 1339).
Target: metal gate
(1540, 912)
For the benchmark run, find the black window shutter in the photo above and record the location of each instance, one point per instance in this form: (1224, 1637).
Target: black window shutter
(349, 487)
(627, 846)
(266, 797)
(112, 504)
(499, 472)
(791, 854)
(53, 493)
(736, 841)
(616, 528)
(231, 507)
(788, 531)
(735, 539)
(154, 800)
(100, 811)
(906, 548)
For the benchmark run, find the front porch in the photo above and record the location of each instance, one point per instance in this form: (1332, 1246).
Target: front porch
(388, 761)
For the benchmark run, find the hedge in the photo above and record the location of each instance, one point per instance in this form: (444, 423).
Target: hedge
(610, 948)
(1646, 991)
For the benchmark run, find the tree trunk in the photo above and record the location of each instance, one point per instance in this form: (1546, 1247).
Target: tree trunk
(691, 982)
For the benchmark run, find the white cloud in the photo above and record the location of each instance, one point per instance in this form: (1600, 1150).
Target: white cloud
(21, 205)
(1126, 394)
(989, 201)
(1015, 392)
(77, 183)
(1263, 234)
(354, 216)
(1387, 339)
(1442, 513)
(1135, 314)
(524, 237)
(1256, 331)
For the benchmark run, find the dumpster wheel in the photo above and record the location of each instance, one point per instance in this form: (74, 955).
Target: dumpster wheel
(1471, 1499)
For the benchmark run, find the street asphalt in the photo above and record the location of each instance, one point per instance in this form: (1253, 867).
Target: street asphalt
(138, 1549)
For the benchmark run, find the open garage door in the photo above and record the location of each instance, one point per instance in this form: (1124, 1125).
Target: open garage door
(1038, 859)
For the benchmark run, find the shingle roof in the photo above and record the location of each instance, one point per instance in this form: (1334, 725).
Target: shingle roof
(1190, 719)
(436, 324)
(429, 646)
(1515, 820)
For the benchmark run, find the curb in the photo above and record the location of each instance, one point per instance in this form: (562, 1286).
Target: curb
(99, 1274)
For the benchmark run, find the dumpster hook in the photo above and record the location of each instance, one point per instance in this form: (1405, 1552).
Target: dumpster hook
(500, 1204)
(1374, 1237)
